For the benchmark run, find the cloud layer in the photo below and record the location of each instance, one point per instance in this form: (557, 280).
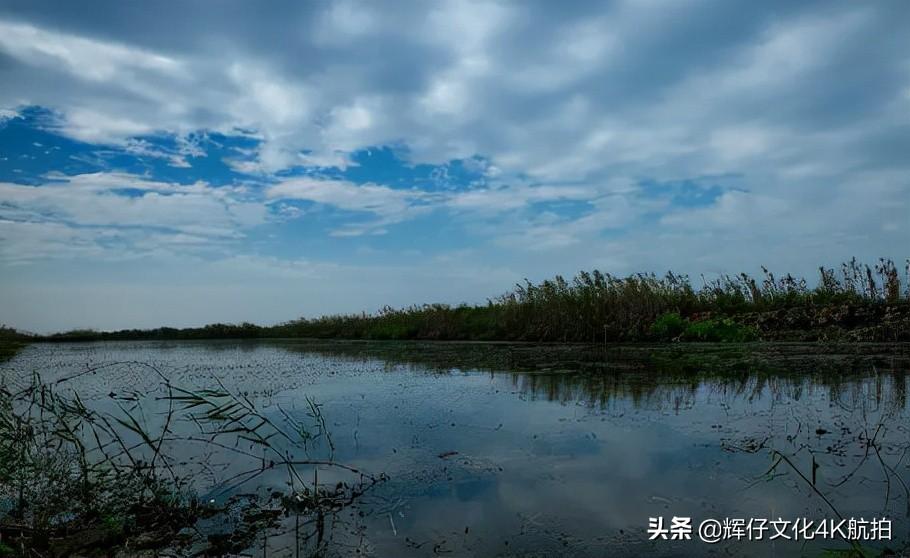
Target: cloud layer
(528, 137)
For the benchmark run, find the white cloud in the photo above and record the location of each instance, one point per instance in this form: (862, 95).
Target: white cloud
(507, 198)
(388, 204)
(553, 96)
(7, 114)
(373, 198)
(25, 241)
(82, 57)
(90, 210)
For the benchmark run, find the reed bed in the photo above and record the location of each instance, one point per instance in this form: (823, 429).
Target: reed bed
(595, 306)
(590, 307)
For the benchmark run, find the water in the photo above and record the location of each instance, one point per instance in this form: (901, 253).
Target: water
(491, 462)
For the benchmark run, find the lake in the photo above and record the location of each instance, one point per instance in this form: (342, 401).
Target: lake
(483, 450)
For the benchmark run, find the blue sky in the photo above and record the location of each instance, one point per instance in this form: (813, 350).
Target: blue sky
(181, 165)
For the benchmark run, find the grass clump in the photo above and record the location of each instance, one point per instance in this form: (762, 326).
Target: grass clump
(669, 326)
(80, 481)
(673, 327)
(723, 330)
(71, 483)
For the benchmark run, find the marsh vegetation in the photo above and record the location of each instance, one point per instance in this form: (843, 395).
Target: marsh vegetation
(853, 302)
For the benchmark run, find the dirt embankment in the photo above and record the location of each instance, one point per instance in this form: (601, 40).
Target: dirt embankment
(842, 322)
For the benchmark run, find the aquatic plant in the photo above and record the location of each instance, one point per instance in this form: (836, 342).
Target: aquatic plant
(73, 478)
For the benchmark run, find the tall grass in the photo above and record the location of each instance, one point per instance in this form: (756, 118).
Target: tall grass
(590, 307)
(594, 306)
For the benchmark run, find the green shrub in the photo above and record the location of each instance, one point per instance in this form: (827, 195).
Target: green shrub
(668, 326)
(722, 331)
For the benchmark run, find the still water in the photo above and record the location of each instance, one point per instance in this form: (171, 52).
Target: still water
(485, 461)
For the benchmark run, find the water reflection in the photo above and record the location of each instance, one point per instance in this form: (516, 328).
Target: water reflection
(489, 462)
(658, 390)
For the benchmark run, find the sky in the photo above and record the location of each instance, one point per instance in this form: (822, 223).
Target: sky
(181, 163)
